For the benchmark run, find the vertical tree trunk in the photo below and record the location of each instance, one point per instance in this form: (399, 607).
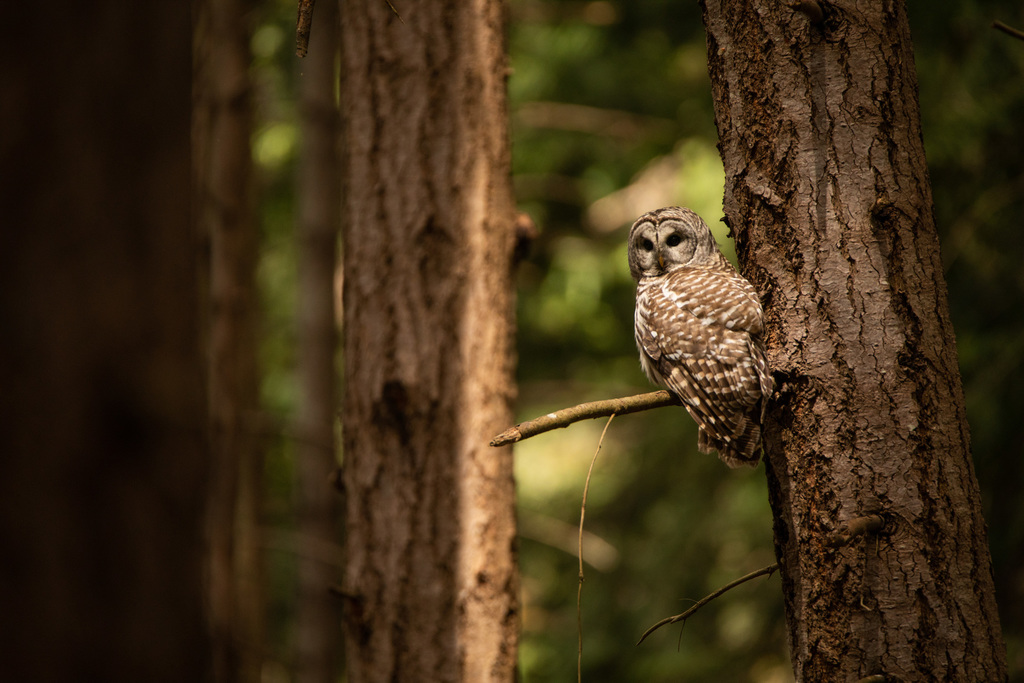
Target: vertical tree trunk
(828, 194)
(223, 162)
(319, 198)
(427, 239)
(102, 450)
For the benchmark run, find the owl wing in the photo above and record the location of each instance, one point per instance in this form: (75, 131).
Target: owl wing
(698, 330)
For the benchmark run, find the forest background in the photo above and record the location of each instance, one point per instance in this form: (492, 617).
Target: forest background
(612, 116)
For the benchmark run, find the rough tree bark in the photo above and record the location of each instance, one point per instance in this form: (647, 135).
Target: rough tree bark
(827, 192)
(223, 179)
(102, 450)
(428, 237)
(318, 193)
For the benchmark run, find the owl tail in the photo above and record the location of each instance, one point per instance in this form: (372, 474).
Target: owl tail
(743, 448)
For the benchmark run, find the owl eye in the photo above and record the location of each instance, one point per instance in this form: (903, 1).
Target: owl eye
(673, 240)
(647, 245)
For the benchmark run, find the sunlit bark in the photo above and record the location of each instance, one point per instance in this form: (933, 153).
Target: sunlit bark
(428, 234)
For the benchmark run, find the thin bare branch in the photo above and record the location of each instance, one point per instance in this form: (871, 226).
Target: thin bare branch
(1008, 30)
(769, 570)
(562, 536)
(395, 11)
(585, 411)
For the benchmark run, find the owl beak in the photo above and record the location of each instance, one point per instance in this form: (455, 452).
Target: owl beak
(661, 261)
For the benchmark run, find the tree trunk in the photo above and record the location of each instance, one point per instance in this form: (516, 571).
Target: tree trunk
(319, 198)
(103, 446)
(827, 192)
(428, 240)
(223, 162)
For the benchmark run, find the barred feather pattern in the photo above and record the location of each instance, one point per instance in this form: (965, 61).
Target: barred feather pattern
(698, 328)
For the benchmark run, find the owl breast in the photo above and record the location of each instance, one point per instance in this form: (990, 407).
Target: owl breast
(698, 332)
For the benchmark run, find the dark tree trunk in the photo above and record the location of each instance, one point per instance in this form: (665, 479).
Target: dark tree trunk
(223, 163)
(318, 633)
(428, 239)
(827, 192)
(103, 445)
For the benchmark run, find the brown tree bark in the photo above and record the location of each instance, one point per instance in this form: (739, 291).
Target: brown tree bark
(828, 195)
(428, 238)
(102, 448)
(223, 171)
(318, 632)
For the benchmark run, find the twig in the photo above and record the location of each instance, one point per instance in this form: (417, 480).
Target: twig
(579, 588)
(305, 23)
(585, 411)
(552, 532)
(1008, 30)
(769, 570)
(855, 527)
(302, 27)
(395, 11)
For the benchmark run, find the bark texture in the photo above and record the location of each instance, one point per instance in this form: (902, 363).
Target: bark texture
(102, 449)
(223, 181)
(318, 633)
(428, 237)
(828, 196)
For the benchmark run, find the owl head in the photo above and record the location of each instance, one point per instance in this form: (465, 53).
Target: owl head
(662, 241)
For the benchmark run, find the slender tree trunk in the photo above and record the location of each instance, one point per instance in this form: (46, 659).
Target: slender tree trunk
(828, 195)
(223, 162)
(428, 237)
(319, 197)
(103, 448)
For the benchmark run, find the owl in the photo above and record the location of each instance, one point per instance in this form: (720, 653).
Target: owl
(698, 327)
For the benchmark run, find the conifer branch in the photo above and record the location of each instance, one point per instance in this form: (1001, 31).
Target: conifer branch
(585, 411)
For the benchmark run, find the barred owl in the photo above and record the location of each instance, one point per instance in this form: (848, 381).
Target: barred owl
(698, 327)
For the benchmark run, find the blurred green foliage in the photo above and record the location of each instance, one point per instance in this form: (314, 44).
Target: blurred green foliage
(972, 100)
(611, 116)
